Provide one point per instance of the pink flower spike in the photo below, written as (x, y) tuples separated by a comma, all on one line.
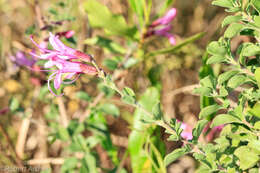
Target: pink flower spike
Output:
[(165, 20)]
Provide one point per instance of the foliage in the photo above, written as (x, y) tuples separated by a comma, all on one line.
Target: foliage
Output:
[(229, 100)]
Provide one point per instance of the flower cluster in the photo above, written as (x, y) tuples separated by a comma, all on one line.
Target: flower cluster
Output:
[(66, 61), (162, 26)]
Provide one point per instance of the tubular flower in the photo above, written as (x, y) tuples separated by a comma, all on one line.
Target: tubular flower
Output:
[(162, 26), (60, 50), (62, 58), (165, 20)]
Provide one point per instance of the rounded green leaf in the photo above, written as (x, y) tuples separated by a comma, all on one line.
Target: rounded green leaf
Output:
[(233, 30), (224, 119), (248, 158)]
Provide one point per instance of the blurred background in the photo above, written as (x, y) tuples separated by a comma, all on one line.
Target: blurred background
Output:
[(30, 115)]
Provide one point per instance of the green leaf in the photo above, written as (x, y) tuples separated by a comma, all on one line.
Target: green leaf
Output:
[(174, 155), (128, 95), (223, 3), (111, 64), (205, 91), (110, 109), (100, 16), (14, 104), (138, 7), (175, 48), (209, 110), (216, 59), (140, 131), (226, 76), (157, 112), (233, 30), (255, 145), (250, 50), (257, 125), (215, 48), (89, 163), (208, 81), (236, 81), (30, 30), (108, 44), (256, 4), (83, 96), (248, 160), (257, 20), (231, 19), (63, 133), (257, 76), (69, 164), (130, 62), (198, 129), (255, 110), (224, 119)]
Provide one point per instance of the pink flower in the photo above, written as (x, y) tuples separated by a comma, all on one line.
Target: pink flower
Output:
[(187, 131), (60, 50), (162, 26), (62, 58), (214, 132), (165, 32), (165, 20)]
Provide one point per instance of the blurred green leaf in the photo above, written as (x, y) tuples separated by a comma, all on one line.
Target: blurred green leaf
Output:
[(175, 154), (175, 48), (138, 8), (30, 30), (256, 4), (69, 164), (110, 109), (14, 104), (83, 96), (140, 130), (89, 163), (63, 133), (101, 17), (128, 95), (107, 44), (130, 62)]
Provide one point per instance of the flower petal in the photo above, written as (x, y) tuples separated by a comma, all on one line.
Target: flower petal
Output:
[(57, 81)]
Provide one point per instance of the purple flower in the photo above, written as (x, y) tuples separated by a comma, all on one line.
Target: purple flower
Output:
[(165, 32), (162, 26), (62, 58), (21, 59), (165, 20), (60, 50)]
